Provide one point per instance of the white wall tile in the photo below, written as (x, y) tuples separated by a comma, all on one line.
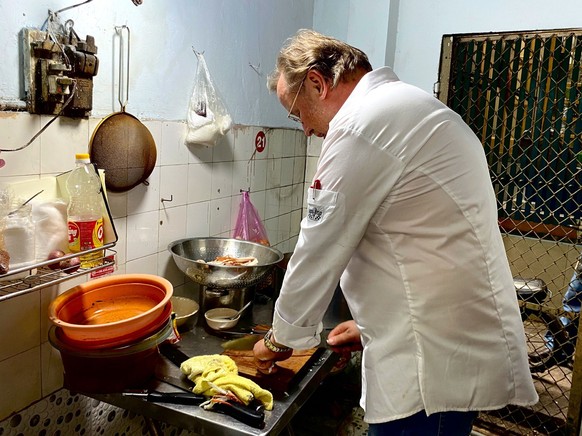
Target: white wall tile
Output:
[(301, 143), (259, 200), (274, 148), (143, 265), (121, 246), (16, 130), (285, 199), (198, 221), (117, 203), (288, 143), (272, 227), (297, 196), (223, 151), (273, 173), (284, 227), (220, 216), (52, 371), (240, 177), (173, 185), (298, 169), (60, 142), (287, 168), (172, 225), (173, 149), (310, 167), (221, 184), (199, 182), (142, 235), (155, 128), (20, 324), (20, 378), (198, 153), (258, 171), (145, 198), (272, 203), (314, 146)]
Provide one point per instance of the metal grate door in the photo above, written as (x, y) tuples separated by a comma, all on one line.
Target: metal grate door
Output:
[(521, 93)]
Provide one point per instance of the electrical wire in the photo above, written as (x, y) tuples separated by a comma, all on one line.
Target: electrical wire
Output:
[(74, 87)]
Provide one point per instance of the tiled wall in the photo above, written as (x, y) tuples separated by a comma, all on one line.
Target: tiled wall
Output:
[(204, 187)]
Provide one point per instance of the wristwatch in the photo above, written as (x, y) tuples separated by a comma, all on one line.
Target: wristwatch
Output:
[(271, 346)]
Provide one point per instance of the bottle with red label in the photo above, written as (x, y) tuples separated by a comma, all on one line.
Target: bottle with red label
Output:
[(85, 211)]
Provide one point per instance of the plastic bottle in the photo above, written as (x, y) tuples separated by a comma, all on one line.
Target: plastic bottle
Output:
[(85, 211)]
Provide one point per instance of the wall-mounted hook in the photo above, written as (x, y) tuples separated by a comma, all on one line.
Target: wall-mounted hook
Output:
[(245, 190), (168, 199)]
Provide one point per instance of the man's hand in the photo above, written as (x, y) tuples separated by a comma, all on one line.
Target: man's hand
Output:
[(265, 359), (345, 337)]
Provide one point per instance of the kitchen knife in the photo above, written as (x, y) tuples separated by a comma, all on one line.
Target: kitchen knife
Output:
[(169, 397), (246, 342), (247, 415), (173, 353)]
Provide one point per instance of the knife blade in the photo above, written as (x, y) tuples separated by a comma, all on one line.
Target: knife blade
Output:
[(240, 412), (173, 353), (244, 343), (169, 397)]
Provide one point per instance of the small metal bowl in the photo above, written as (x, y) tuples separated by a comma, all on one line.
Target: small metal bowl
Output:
[(214, 321)]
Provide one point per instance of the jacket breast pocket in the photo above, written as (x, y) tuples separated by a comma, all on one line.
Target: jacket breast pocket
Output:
[(320, 204)]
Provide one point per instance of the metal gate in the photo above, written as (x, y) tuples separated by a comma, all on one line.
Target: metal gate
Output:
[(521, 93)]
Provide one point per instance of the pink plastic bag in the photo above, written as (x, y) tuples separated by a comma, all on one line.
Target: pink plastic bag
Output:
[(249, 226)]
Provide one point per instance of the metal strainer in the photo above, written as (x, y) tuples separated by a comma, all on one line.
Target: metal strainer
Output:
[(186, 252)]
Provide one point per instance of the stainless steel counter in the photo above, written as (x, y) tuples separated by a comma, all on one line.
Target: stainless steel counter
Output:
[(198, 341)]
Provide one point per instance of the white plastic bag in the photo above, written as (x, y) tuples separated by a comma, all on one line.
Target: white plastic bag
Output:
[(208, 118)]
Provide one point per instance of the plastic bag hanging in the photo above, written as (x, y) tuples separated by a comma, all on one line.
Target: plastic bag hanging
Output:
[(249, 226), (208, 118)]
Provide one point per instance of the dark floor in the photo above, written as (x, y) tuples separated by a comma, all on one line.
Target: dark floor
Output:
[(333, 409)]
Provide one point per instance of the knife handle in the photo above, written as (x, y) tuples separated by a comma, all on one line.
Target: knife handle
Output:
[(176, 398), (244, 414)]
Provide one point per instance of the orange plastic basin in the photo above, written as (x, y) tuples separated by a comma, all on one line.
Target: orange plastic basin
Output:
[(112, 311)]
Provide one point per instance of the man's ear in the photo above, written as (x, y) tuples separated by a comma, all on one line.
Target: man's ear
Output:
[(318, 82)]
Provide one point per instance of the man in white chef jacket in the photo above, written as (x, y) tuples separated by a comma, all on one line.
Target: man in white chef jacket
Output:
[(402, 211)]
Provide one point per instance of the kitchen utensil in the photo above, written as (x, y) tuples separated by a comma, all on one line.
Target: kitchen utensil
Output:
[(11, 213), (173, 353), (246, 342), (221, 318), (288, 372), (121, 144), (245, 414), (235, 315), (188, 252), (185, 310), (186, 398), (109, 309)]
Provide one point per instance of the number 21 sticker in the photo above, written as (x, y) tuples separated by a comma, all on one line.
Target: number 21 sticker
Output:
[(260, 141)]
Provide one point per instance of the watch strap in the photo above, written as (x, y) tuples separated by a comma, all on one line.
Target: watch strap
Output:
[(274, 348)]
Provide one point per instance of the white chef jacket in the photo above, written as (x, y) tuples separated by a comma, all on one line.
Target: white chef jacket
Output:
[(407, 217)]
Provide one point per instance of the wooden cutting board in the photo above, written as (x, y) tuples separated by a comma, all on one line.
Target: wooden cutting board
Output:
[(283, 379)]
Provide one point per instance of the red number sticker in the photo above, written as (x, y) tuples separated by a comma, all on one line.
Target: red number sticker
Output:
[(260, 141)]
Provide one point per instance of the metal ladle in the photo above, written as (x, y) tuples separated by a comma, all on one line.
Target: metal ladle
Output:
[(236, 315)]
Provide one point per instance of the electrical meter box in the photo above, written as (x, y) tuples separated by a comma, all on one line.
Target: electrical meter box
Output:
[(58, 72)]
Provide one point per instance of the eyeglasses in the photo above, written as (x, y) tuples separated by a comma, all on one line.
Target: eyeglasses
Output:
[(290, 115)]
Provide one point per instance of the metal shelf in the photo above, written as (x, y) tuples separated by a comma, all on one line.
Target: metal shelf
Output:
[(40, 276)]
